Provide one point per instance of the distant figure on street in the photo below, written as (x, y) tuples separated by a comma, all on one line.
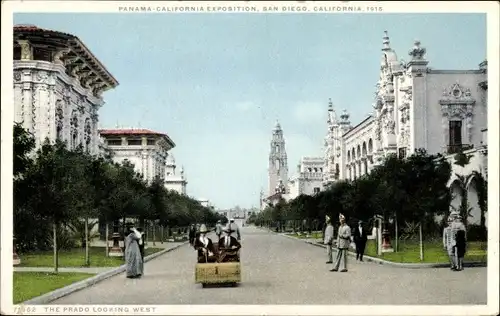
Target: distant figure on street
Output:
[(133, 259), (328, 240), (234, 227), (460, 241), (218, 229), (204, 246), (360, 239), (343, 242), (448, 243), (192, 234)]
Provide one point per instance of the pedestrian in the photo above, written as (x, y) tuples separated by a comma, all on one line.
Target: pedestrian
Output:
[(234, 227), (460, 242), (133, 259), (343, 243), (328, 239), (141, 242), (192, 234), (360, 239), (218, 229), (448, 243)]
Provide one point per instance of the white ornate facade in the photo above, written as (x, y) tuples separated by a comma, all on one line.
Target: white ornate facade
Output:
[(173, 180), (442, 111), (58, 85), (145, 149), (309, 177)]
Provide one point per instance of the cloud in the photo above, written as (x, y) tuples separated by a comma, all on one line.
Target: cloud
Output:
[(309, 112)]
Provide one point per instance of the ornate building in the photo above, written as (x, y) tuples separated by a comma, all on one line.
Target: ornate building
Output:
[(146, 150), (58, 86), (415, 106), (174, 181), (278, 161)]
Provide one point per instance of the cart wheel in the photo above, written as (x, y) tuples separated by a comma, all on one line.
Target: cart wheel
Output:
[(234, 284), (203, 285)]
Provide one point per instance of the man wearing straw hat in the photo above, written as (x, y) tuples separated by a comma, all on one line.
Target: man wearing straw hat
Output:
[(459, 235), (328, 241), (228, 246), (343, 243)]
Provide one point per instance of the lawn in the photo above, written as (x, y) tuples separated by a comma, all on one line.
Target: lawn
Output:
[(314, 235), (75, 258), (27, 285), (409, 252)]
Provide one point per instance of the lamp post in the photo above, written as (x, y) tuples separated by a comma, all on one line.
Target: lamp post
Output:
[(116, 250)]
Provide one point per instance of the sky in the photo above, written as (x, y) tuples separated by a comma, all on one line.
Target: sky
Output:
[(217, 83)]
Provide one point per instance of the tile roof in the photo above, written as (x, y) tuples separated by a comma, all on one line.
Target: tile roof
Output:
[(129, 131)]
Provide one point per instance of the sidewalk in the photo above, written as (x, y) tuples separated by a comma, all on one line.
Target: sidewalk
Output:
[(91, 270)]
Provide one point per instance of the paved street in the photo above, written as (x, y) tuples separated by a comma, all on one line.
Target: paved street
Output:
[(278, 270)]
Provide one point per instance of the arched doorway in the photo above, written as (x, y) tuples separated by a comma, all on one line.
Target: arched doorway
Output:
[(472, 198)]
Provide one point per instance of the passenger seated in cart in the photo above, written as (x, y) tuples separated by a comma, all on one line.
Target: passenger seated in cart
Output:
[(229, 247), (205, 247)]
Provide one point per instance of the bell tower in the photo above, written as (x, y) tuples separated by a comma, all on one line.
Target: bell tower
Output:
[(278, 164)]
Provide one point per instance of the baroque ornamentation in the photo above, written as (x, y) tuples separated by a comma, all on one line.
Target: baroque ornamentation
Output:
[(417, 52), (457, 94), (59, 119), (59, 55), (17, 76), (26, 51), (42, 76), (88, 134)]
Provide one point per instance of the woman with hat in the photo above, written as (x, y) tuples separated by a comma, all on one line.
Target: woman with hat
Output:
[(204, 246), (449, 243), (133, 258), (228, 246)]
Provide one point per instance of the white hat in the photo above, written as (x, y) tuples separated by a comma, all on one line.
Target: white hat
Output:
[(231, 220), (327, 218), (203, 228)]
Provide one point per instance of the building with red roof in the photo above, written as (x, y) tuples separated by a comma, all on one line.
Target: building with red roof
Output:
[(147, 150)]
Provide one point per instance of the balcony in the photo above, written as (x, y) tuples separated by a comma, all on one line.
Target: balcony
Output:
[(455, 149)]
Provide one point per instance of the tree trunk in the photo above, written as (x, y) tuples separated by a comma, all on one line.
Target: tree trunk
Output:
[(107, 239), (421, 242), (56, 258), (154, 233), (162, 232), (396, 233), (87, 258)]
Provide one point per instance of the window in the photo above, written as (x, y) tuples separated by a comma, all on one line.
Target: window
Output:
[(134, 142), (455, 133), (151, 142), (277, 164), (114, 142), (455, 137), (316, 190), (402, 153)]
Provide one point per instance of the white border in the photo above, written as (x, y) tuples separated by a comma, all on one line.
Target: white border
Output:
[(491, 8)]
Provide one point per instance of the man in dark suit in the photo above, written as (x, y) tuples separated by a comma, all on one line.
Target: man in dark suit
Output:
[(360, 239), (228, 246)]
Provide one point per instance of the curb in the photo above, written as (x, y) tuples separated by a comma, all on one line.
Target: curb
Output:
[(470, 264), (64, 291)]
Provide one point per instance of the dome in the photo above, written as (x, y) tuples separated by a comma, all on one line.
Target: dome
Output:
[(170, 160)]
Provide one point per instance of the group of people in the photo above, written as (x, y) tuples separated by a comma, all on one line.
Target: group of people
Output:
[(343, 243), (227, 245), (134, 252), (454, 241)]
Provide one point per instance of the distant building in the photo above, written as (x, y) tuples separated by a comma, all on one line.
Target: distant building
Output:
[(174, 180), (145, 149), (204, 202), (58, 86)]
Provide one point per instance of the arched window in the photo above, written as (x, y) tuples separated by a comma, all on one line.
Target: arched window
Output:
[(88, 134), (59, 120), (74, 130)]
